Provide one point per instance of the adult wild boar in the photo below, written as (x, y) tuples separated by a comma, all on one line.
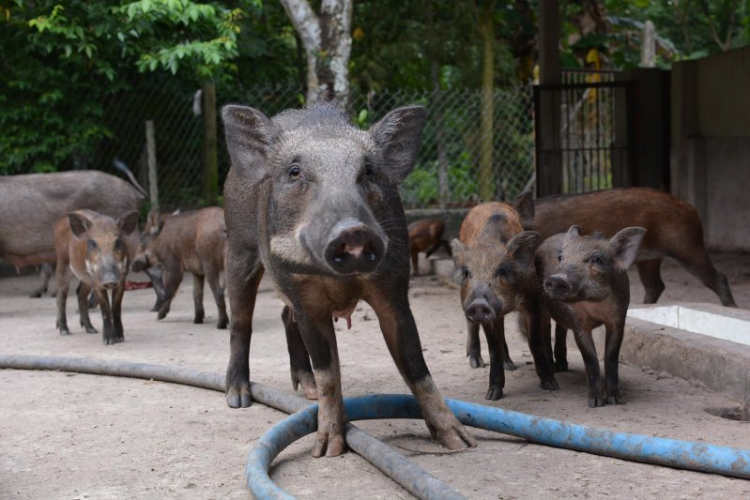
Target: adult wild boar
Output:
[(673, 230), (586, 285), (33, 204), (313, 201), (426, 235), (191, 241), (494, 261), (95, 248)]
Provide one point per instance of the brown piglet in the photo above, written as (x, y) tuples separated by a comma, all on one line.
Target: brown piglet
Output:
[(191, 241), (426, 235), (494, 261), (586, 285), (96, 249)]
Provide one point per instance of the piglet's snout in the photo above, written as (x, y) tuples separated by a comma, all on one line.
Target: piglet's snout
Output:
[(479, 311), (558, 286), (354, 248), (110, 280)]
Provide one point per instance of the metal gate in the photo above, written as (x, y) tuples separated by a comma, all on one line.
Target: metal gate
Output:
[(592, 149)]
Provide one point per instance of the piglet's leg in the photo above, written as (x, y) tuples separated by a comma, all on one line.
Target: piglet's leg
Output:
[(591, 361), (473, 346), (117, 295), (108, 335), (611, 360), (320, 339), (299, 359), (84, 289), (62, 278), (402, 338)]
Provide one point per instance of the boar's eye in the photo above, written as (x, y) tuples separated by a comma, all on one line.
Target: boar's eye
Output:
[(502, 273), (91, 245), (118, 244), (596, 259), (465, 274), (559, 257), (294, 172), (369, 171)]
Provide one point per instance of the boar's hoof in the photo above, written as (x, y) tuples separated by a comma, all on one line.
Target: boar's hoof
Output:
[(596, 402), (307, 380), (494, 393), (561, 366), (509, 365), (238, 396), (198, 320), (454, 436), (64, 331), (476, 361), (90, 329), (613, 400), (550, 385), (113, 340), (330, 445), (222, 324), (37, 293), (156, 306), (162, 313)]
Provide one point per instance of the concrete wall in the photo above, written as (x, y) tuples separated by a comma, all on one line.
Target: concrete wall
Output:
[(710, 154)]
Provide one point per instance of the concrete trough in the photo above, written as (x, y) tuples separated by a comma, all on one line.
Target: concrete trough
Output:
[(702, 342)]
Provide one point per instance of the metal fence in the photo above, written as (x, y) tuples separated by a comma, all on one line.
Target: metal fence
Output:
[(446, 174)]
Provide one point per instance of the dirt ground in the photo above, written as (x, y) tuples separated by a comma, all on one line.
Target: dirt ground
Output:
[(71, 436)]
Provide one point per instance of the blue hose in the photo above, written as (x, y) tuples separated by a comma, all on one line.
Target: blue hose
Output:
[(651, 450)]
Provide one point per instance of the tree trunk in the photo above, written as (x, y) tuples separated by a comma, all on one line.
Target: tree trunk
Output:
[(487, 32), (437, 109), (327, 41)]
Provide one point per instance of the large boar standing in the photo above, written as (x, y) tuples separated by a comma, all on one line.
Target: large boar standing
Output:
[(494, 261), (586, 285), (313, 201), (94, 248), (191, 241)]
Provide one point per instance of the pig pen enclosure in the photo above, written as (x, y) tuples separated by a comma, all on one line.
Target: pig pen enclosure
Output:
[(68, 435)]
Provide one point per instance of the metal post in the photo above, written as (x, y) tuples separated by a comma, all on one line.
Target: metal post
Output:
[(153, 185), (210, 149)]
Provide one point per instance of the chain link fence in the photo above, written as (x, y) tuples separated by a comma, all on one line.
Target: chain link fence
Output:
[(446, 174)]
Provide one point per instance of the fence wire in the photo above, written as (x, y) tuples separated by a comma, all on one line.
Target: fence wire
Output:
[(446, 175)]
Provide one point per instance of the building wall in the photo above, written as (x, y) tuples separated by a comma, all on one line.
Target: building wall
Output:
[(710, 154)]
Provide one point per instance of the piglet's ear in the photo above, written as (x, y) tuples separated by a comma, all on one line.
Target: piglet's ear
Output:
[(128, 222), (524, 205), (249, 135), (573, 233), (399, 136), (625, 245), (457, 248), (523, 246), (79, 223), (154, 222)]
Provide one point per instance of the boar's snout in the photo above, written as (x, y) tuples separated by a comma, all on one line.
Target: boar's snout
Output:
[(110, 280), (558, 287), (479, 311), (354, 248)]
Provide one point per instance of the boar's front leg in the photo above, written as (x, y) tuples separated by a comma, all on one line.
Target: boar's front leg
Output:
[(402, 338), (62, 277), (585, 343), (495, 333), (320, 340), (200, 313), (611, 360), (108, 334), (533, 319), (172, 278), (212, 276), (84, 289), (243, 278), (561, 348), (117, 294), (299, 359), (473, 347)]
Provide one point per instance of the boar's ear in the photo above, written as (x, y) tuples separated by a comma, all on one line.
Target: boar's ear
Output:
[(249, 134), (625, 245), (79, 223), (128, 222), (399, 136), (524, 205), (154, 222), (523, 246), (457, 250), (573, 232)]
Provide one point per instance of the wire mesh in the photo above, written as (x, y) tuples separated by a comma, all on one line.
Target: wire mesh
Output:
[(446, 174)]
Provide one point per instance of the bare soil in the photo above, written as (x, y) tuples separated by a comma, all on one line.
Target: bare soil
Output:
[(73, 436)]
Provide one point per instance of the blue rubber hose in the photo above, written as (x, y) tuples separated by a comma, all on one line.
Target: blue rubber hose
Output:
[(405, 473), (651, 450)]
